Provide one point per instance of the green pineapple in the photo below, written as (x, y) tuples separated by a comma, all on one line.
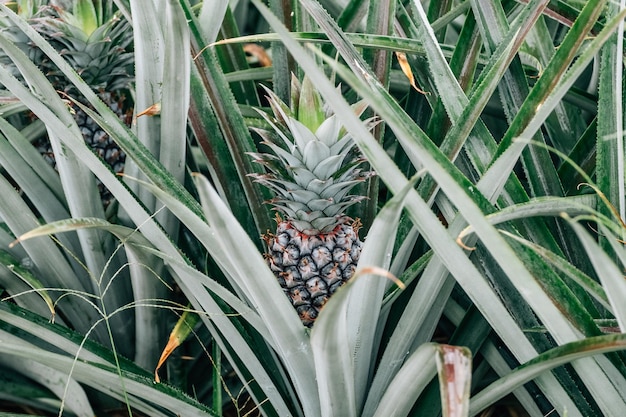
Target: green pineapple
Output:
[(96, 42), (311, 170)]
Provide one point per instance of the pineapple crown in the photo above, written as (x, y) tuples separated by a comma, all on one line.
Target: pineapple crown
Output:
[(94, 41), (313, 164), (30, 10), (25, 8)]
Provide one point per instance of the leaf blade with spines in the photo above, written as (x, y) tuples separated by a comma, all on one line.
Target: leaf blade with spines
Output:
[(443, 177)]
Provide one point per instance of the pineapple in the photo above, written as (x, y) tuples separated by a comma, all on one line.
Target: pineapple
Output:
[(311, 170), (96, 42)]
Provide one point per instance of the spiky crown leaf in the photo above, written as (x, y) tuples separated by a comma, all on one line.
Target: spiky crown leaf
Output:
[(313, 164)]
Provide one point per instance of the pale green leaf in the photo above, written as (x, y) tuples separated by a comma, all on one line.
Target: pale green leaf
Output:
[(611, 276), (73, 396), (344, 335), (543, 363), (417, 371)]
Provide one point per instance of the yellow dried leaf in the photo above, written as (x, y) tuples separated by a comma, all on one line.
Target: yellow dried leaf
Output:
[(258, 53), (406, 69), (153, 110), (179, 334)]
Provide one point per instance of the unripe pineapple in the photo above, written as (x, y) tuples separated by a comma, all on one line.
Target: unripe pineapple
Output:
[(312, 168), (96, 42)]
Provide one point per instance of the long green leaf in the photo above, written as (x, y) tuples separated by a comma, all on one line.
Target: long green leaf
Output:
[(590, 285), (234, 132), (417, 371), (174, 100), (542, 206), (142, 392), (133, 239), (344, 337), (66, 389), (148, 44), (79, 185), (260, 285), (610, 146), (610, 274), (457, 193), (292, 337), (544, 362)]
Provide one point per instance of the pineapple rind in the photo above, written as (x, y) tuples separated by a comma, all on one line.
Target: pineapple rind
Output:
[(310, 268)]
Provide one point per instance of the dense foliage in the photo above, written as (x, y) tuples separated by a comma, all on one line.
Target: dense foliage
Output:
[(134, 276)]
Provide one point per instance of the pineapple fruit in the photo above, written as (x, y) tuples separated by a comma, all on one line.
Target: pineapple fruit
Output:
[(96, 42), (311, 170)]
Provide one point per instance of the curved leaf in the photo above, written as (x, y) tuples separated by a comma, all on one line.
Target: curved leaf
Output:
[(543, 363)]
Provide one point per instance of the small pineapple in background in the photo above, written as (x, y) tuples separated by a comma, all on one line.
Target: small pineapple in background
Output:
[(97, 43), (29, 10), (312, 168)]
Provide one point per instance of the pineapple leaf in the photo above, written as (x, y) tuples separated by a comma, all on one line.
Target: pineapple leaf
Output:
[(64, 387), (303, 177), (137, 391), (309, 109), (289, 337), (39, 182), (328, 132), (555, 70), (329, 166), (314, 152), (609, 134), (214, 95), (590, 285), (288, 157), (544, 362), (175, 96), (212, 15), (550, 101), (610, 274), (346, 337), (28, 278), (509, 276), (302, 136), (259, 284), (84, 16), (405, 388), (457, 192), (542, 206), (132, 238)]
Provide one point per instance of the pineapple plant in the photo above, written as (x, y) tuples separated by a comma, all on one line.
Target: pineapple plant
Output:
[(311, 170), (96, 41), (519, 299)]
